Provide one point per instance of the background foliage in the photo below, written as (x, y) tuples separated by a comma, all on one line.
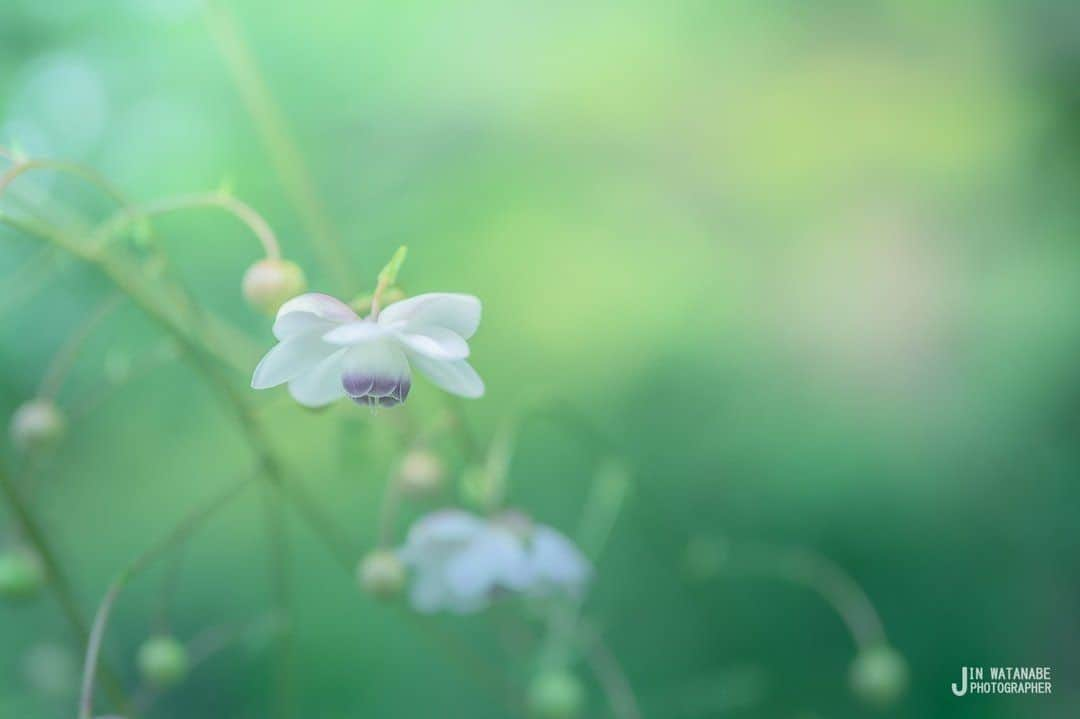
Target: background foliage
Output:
[(813, 267)]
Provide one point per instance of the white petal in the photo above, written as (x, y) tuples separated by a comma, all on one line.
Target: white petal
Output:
[(556, 560), (289, 359), (355, 333), (456, 377), (433, 535), (428, 593), (322, 385), (435, 342), (455, 312), (310, 312)]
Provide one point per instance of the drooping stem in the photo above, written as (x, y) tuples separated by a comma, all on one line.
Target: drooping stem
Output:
[(197, 355), (180, 533), (609, 673), (240, 210), (287, 158), (820, 575), (69, 168), (58, 582), (62, 362)]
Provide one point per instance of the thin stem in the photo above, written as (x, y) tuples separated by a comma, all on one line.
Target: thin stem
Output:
[(388, 511), (240, 210), (180, 533), (335, 540), (609, 673), (466, 658), (62, 362), (69, 168), (607, 496), (58, 581), (287, 158), (146, 366), (822, 576)]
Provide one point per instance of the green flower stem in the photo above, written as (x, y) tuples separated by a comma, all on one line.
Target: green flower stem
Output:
[(334, 539), (821, 576), (62, 362), (68, 168), (609, 673), (255, 222), (180, 533), (58, 582), (287, 158)]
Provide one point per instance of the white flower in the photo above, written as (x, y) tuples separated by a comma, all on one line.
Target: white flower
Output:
[(556, 564), (326, 351), (461, 562)]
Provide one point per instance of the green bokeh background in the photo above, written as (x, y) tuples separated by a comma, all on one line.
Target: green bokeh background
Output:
[(813, 268)]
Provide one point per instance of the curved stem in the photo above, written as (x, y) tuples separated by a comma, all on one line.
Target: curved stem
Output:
[(609, 673), (69, 168), (204, 363), (184, 529), (62, 361), (58, 581), (240, 210), (287, 158), (822, 576)]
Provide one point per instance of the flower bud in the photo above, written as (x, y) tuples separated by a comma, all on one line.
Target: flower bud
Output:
[(381, 574), (163, 661), (556, 695), (269, 283), (37, 423), (879, 675), (21, 575), (421, 473)]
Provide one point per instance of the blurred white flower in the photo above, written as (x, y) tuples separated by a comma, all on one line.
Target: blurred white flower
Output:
[(326, 351), (460, 562)]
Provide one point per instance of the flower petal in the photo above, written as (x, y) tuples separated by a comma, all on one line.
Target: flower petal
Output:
[(355, 333), (455, 312), (322, 385), (435, 342), (556, 561), (376, 369), (289, 359), (456, 377), (310, 312)]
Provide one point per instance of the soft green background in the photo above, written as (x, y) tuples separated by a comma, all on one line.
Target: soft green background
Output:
[(814, 267)]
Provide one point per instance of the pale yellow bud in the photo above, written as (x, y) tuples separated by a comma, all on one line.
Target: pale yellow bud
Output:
[(269, 283), (421, 473)]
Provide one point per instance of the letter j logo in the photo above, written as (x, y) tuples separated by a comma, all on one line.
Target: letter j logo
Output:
[(962, 689)]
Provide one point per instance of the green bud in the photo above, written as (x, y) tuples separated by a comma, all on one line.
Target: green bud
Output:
[(21, 575), (879, 675), (163, 661), (381, 574), (388, 275), (269, 283), (37, 423), (421, 473), (556, 695)]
